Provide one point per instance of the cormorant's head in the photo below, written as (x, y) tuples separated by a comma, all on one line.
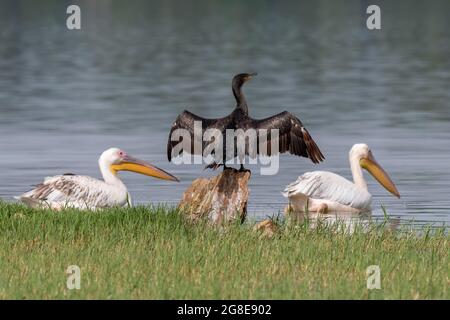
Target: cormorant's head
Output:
[(241, 78)]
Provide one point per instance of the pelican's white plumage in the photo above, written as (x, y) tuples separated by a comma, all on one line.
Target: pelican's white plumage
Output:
[(327, 191), (76, 191), (329, 186), (84, 192)]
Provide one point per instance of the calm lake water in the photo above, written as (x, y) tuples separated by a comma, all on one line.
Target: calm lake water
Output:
[(65, 96)]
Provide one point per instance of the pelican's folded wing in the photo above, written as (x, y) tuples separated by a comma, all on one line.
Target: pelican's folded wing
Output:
[(67, 191), (329, 186)]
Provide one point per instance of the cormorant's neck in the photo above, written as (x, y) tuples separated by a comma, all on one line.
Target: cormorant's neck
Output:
[(241, 103)]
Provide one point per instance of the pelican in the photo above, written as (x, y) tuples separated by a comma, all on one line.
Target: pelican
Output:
[(322, 191), (293, 136), (84, 192)]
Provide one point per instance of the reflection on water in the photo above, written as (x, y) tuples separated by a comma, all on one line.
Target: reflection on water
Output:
[(343, 222), (65, 96)]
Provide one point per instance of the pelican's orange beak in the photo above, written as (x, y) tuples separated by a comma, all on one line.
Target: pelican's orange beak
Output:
[(136, 165), (371, 165)]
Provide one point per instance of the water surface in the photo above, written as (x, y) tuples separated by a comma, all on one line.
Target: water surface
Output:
[(65, 96)]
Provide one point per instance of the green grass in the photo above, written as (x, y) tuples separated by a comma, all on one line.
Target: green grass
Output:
[(152, 253)]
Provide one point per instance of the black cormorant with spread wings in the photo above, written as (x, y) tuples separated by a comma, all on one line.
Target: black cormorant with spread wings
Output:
[(292, 135)]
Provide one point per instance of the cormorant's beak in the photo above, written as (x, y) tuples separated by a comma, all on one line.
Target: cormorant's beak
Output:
[(371, 165), (250, 76), (135, 165)]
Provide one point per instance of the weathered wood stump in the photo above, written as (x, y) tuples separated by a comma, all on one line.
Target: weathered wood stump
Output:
[(220, 199)]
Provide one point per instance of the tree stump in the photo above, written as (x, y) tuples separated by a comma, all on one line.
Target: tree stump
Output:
[(220, 199)]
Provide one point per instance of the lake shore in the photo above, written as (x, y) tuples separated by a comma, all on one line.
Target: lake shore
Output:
[(153, 253)]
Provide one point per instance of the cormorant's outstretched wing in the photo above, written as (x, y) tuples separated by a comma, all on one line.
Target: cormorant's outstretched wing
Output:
[(186, 121), (293, 136)]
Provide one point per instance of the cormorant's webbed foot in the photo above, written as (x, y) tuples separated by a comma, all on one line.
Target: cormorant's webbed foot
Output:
[(242, 169), (214, 166)]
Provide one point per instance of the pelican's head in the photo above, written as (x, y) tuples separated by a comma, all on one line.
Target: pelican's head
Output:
[(118, 160), (242, 78), (362, 152)]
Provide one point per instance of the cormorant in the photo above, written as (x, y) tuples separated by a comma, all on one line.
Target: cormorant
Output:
[(293, 136)]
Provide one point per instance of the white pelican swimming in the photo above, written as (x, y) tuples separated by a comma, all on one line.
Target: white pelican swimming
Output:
[(322, 191), (84, 192)]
